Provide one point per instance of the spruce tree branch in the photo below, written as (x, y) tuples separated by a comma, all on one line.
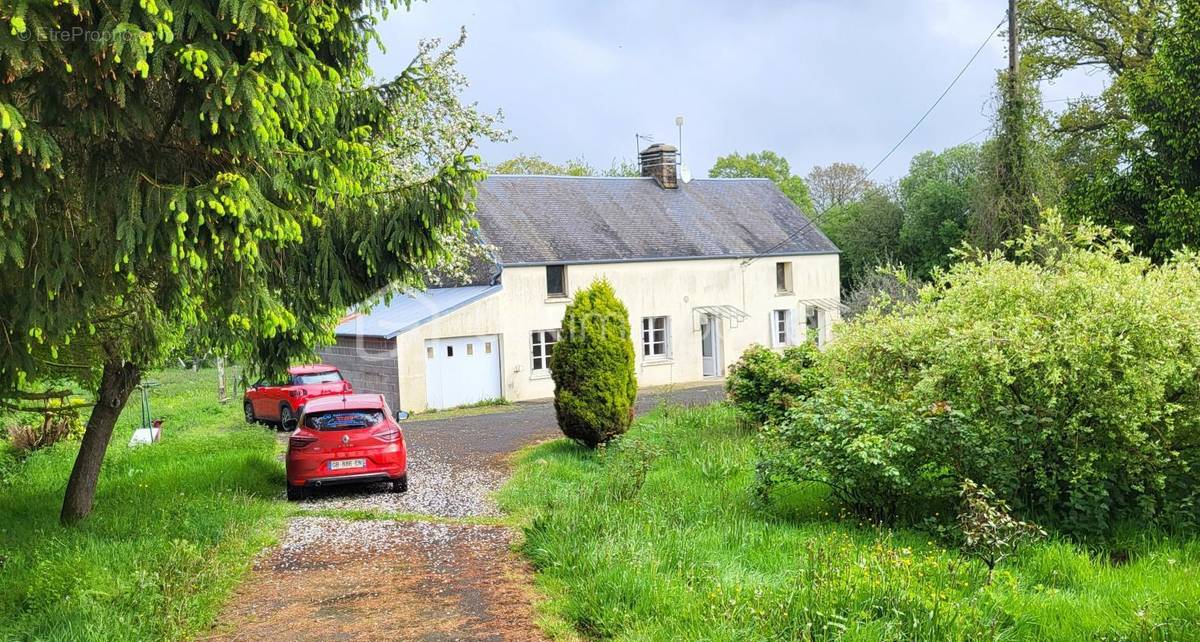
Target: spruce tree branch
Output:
[(69, 366), (35, 396), (44, 409), (172, 114)]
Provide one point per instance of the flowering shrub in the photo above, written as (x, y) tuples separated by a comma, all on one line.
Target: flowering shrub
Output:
[(1066, 380)]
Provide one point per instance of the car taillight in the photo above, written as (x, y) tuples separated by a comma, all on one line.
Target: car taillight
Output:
[(297, 392), (300, 441), (388, 435)]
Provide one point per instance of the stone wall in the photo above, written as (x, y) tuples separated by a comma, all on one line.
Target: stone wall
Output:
[(369, 364)]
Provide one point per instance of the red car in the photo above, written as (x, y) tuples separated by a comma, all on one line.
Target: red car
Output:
[(280, 401), (343, 440)]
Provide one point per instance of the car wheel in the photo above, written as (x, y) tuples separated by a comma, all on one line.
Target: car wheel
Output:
[(400, 484), (249, 408), (297, 493), (285, 415)]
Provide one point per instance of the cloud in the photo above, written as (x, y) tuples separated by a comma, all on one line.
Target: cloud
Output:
[(577, 53), (818, 81), (964, 22)]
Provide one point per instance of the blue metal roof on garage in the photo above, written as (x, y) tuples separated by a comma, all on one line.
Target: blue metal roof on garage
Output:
[(409, 310)]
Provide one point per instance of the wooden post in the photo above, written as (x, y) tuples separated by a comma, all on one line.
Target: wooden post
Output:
[(222, 395)]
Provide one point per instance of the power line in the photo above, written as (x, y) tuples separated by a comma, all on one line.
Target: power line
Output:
[(939, 99), (975, 135), (817, 218)]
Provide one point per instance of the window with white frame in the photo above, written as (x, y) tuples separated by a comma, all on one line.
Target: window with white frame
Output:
[(542, 346), (782, 328), (556, 281), (656, 337)]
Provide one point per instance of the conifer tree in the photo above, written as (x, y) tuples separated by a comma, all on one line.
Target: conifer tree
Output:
[(220, 170), (593, 367)]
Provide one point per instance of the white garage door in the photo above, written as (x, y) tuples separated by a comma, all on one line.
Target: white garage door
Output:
[(462, 370)]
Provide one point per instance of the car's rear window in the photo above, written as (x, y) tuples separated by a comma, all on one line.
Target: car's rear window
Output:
[(343, 419), (332, 376)]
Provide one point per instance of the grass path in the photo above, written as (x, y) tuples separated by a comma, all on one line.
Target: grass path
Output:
[(381, 579)]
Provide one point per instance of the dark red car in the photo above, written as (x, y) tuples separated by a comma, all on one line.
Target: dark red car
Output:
[(280, 401), (344, 440)]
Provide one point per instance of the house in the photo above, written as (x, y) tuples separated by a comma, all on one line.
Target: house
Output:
[(706, 268)]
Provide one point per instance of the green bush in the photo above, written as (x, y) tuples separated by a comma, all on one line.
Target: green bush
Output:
[(763, 384), (592, 366), (1067, 381)]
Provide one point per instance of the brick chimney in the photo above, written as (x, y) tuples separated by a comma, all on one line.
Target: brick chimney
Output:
[(658, 161)]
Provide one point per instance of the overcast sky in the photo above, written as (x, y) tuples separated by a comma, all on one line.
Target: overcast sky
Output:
[(817, 81)]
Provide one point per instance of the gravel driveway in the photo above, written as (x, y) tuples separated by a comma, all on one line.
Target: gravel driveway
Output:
[(410, 579), (455, 464)]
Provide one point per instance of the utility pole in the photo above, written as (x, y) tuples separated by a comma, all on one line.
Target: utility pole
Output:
[(1014, 54)]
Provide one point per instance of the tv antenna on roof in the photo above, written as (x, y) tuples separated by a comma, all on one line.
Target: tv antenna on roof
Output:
[(649, 138)]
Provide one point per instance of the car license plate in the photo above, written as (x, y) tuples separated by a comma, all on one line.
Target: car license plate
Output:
[(343, 464)]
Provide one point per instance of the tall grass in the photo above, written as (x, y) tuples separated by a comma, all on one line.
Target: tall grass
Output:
[(661, 538), (174, 527)]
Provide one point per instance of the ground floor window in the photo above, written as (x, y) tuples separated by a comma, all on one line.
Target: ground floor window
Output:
[(781, 328), (542, 347), (656, 333), (814, 323)]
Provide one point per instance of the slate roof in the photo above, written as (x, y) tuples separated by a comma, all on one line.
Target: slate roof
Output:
[(407, 311), (537, 220)]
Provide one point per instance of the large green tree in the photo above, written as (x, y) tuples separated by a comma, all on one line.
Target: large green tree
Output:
[(936, 197), (765, 164), (867, 231), (225, 170), (1158, 195), (1115, 37), (1097, 136)]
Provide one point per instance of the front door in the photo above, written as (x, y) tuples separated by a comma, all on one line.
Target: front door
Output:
[(710, 345)]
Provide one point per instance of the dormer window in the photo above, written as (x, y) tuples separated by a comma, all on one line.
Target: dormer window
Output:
[(556, 281)]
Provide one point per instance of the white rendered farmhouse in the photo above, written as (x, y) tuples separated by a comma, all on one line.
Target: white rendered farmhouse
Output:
[(706, 268)]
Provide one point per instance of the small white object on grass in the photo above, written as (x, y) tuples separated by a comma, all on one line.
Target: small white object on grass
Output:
[(143, 436)]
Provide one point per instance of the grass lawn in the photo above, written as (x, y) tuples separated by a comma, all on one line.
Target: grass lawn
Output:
[(174, 527), (660, 538)]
